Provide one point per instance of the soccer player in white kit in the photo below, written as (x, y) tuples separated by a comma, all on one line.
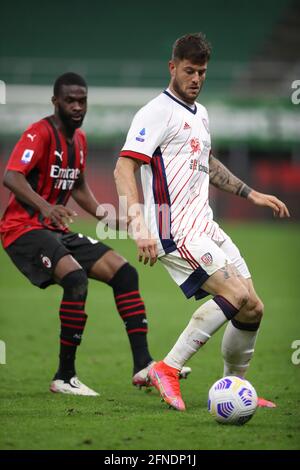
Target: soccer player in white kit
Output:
[(169, 139)]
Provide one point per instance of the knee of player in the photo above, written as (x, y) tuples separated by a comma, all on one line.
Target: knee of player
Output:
[(76, 282), (241, 295), (258, 310), (131, 272), (253, 310), (236, 293), (126, 278)]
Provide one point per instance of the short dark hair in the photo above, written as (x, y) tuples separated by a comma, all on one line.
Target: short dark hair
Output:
[(68, 78), (193, 47)]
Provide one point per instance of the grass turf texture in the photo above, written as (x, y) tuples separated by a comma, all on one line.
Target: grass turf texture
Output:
[(124, 417)]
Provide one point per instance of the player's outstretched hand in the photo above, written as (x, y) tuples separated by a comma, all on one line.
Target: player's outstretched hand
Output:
[(147, 251), (145, 241), (267, 200), (147, 248), (59, 215)]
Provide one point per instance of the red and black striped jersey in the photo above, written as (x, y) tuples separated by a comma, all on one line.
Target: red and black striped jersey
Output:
[(51, 166)]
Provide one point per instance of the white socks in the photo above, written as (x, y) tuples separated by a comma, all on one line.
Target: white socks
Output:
[(203, 324), (237, 349), (237, 344)]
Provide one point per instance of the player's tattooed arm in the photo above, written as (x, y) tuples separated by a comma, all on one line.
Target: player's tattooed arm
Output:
[(222, 178)]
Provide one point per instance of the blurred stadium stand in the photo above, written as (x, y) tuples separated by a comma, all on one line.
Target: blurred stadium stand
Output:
[(122, 48), (127, 43)]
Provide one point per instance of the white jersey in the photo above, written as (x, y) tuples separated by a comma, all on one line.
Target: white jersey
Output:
[(173, 140)]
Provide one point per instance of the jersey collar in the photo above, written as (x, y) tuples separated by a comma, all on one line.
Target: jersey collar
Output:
[(193, 111)]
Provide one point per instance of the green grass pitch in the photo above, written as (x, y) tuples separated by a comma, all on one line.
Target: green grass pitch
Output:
[(124, 417)]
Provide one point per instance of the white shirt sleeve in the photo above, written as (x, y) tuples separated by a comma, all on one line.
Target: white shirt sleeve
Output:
[(147, 132)]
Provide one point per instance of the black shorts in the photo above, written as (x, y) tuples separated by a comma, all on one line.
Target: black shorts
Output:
[(36, 253)]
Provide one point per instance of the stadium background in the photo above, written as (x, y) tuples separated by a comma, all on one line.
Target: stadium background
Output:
[(122, 49)]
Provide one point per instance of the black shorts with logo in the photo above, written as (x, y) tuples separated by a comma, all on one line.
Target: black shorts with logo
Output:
[(36, 253)]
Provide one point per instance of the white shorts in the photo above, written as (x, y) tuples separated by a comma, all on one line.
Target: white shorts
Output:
[(194, 262)]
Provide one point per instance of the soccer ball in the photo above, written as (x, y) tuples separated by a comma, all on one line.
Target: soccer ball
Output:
[(232, 400)]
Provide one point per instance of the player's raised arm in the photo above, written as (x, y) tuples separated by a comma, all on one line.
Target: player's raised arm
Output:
[(221, 177), (127, 187)]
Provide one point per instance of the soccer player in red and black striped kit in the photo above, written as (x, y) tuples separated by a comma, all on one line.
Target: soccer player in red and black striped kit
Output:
[(46, 168)]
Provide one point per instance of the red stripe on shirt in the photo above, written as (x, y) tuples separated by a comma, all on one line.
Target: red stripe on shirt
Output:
[(191, 256), (186, 258)]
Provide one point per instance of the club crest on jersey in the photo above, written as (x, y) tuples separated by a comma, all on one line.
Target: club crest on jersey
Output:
[(46, 261), (141, 135), (205, 124), (195, 145), (207, 259), (27, 156)]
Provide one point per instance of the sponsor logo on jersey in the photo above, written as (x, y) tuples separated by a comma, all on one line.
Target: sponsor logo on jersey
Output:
[(195, 165), (195, 146), (205, 124), (140, 137), (65, 177), (46, 261), (31, 137), (186, 126), (27, 156), (207, 259)]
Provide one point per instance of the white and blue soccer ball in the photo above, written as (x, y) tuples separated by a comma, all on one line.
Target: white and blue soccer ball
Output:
[(232, 400)]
